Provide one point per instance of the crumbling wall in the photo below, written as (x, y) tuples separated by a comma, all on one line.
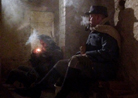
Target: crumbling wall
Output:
[(17, 26), (126, 19), (16, 30), (75, 32)]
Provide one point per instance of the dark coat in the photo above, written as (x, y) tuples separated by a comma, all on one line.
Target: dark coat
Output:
[(101, 47), (103, 50), (44, 61), (41, 64)]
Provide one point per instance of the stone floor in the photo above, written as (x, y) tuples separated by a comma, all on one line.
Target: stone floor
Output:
[(7, 92), (4, 93), (119, 92)]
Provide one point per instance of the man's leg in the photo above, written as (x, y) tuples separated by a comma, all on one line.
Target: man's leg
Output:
[(20, 75), (25, 68), (75, 80), (17, 75), (70, 82), (50, 78), (35, 92), (54, 74)]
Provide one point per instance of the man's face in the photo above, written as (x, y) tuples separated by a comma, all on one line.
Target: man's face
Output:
[(44, 45), (93, 19)]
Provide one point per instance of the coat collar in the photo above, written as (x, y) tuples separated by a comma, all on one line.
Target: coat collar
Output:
[(110, 30)]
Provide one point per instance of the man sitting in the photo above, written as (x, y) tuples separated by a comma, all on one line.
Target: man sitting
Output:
[(96, 60), (41, 62)]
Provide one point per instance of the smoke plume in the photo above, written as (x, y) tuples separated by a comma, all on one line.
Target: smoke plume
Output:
[(33, 37), (75, 3), (33, 40), (12, 11), (85, 21)]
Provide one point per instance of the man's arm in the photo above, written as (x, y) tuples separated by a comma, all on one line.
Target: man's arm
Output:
[(108, 52), (82, 51)]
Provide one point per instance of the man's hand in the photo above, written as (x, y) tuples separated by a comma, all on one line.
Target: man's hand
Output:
[(84, 55), (83, 49)]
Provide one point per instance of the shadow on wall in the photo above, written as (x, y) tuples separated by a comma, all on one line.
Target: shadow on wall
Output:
[(126, 20), (129, 47)]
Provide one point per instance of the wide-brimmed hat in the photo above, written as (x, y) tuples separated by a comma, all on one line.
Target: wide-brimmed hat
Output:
[(97, 10)]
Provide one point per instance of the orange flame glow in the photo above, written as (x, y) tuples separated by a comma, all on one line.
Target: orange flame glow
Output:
[(38, 50)]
